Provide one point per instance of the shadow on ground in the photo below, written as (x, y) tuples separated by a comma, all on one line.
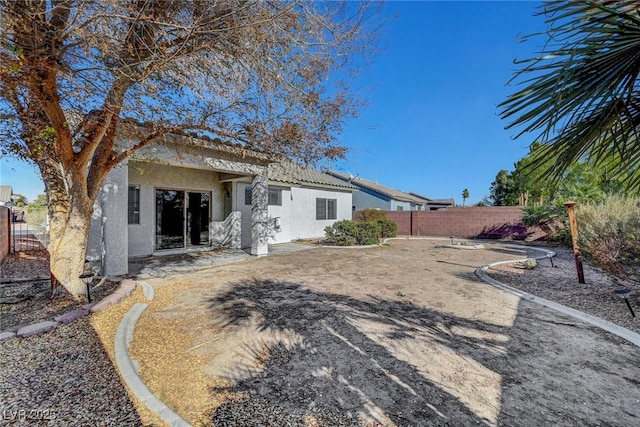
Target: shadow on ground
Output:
[(376, 362), (355, 361)]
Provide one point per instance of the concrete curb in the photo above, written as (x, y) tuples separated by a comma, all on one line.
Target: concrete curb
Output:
[(625, 333), (129, 368)]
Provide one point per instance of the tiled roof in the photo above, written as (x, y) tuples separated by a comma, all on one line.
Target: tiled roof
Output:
[(434, 201), (291, 173), (5, 193), (378, 188)]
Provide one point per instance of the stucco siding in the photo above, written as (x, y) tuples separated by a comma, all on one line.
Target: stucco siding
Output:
[(304, 224), (365, 200), (406, 206), (149, 177), (280, 218)]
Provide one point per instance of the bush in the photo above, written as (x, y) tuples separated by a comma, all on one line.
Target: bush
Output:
[(368, 233), (552, 219), (609, 232), (371, 215), (388, 228), (349, 233), (341, 233)]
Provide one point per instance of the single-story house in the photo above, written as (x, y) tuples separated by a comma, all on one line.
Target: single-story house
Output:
[(208, 195), (371, 195)]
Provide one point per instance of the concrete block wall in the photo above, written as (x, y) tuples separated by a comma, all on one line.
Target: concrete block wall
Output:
[(5, 231), (454, 221)]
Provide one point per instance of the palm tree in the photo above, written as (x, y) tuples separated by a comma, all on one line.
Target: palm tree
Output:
[(580, 95), (465, 195)]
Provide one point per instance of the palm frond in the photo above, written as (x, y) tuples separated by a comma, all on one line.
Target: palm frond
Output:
[(580, 95)]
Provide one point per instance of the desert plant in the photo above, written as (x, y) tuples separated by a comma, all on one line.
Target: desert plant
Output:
[(609, 232), (349, 233), (369, 215), (388, 228), (368, 233), (341, 233)]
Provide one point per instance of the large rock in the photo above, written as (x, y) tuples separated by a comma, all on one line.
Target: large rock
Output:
[(36, 328)]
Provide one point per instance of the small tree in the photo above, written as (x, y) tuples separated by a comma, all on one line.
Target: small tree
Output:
[(269, 75), (19, 200), (465, 195)]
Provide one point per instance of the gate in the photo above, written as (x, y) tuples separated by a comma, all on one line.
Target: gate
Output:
[(27, 237)]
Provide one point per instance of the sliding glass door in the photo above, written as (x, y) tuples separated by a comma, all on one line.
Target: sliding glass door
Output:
[(182, 219)]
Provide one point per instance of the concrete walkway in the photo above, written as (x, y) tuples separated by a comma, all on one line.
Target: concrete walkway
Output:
[(171, 264)]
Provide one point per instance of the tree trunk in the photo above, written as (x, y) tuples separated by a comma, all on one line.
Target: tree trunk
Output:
[(68, 248)]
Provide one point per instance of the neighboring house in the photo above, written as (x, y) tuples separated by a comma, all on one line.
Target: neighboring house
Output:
[(6, 191), (371, 195), (434, 204), (206, 195)]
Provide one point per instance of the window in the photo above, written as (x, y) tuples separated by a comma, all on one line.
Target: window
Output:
[(134, 204), (275, 197), (326, 208), (400, 208)]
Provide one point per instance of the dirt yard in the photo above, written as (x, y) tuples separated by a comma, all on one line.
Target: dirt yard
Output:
[(399, 335)]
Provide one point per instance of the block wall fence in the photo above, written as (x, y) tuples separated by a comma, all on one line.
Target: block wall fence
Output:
[(5, 231), (455, 221)]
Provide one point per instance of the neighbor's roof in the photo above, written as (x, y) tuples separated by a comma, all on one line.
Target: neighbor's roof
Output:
[(434, 201), (5, 193), (378, 188), (291, 173)]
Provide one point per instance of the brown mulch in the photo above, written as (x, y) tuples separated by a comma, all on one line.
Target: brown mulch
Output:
[(25, 296)]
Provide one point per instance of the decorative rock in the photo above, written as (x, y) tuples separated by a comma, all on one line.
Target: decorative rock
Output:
[(128, 283), (36, 328), (5, 335), (71, 316), (127, 289), (107, 302), (90, 305)]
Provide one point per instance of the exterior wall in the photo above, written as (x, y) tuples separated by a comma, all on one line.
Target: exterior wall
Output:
[(282, 213), (150, 176), (5, 231), (406, 206), (245, 212), (296, 216), (108, 235), (280, 219), (455, 221), (303, 211), (362, 199)]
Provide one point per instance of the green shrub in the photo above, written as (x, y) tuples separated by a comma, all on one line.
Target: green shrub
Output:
[(368, 233), (388, 228), (370, 215), (341, 233), (349, 233), (609, 232), (552, 219)]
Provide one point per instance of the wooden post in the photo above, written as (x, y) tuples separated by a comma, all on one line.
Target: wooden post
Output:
[(573, 225)]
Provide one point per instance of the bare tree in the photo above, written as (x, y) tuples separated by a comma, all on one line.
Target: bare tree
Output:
[(272, 76)]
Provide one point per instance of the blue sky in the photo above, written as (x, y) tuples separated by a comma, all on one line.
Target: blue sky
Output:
[(431, 125)]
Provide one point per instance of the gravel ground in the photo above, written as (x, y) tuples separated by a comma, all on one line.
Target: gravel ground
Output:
[(29, 301), (559, 283), (62, 378)]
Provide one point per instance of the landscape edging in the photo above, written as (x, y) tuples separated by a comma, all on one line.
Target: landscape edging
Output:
[(610, 327), (125, 288)]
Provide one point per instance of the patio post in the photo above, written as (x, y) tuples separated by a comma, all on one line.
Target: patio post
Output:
[(260, 214)]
